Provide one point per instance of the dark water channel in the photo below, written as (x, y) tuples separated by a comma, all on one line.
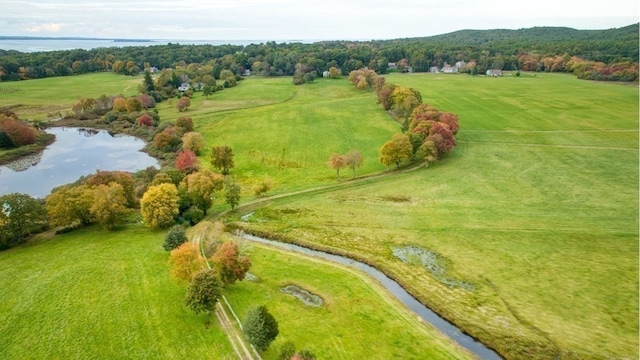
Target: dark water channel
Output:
[(76, 152), (474, 346)]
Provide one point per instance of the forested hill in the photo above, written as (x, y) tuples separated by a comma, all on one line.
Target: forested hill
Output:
[(598, 45), (589, 54)]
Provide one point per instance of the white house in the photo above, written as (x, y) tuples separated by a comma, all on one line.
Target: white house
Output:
[(184, 86), (494, 72)]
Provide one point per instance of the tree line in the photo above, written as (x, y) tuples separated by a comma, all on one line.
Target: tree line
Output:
[(604, 50)]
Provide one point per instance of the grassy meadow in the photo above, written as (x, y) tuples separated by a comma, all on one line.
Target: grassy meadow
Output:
[(43, 99), (537, 208), (356, 320), (99, 295)]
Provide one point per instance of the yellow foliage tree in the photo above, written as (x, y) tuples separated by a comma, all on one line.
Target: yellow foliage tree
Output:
[(185, 260), (159, 205), (70, 204), (109, 205)]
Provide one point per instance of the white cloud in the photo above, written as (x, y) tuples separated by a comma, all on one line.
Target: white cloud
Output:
[(48, 28), (293, 19)]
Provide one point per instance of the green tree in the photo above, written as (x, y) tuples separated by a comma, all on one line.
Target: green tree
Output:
[(260, 327), (222, 158), (396, 150), (159, 205), (175, 237), (203, 291), (232, 194), (20, 216), (148, 82), (109, 206)]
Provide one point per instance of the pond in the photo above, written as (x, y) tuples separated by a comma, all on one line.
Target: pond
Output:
[(76, 152)]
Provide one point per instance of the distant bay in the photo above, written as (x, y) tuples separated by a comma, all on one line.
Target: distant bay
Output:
[(40, 44)]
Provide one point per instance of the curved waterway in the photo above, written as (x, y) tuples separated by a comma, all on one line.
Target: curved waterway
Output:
[(466, 341), (76, 152)]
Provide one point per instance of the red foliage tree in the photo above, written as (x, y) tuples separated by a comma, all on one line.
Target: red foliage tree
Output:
[(230, 266), (145, 120), (17, 131), (186, 161), (147, 101), (183, 104), (450, 119)]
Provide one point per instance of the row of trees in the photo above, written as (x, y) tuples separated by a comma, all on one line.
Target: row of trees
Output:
[(209, 276), (426, 130), (486, 49)]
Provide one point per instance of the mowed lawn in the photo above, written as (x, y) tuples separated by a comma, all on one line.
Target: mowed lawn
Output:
[(537, 208), (357, 319), (43, 99), (92, 294)]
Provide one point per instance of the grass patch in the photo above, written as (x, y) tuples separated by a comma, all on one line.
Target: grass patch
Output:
[(42, 99), (99, 295), (357, 318), (536, 207)]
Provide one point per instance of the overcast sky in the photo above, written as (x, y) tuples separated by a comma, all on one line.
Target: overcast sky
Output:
[(300, 20)]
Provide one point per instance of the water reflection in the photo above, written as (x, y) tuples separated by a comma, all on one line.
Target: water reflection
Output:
[(75, 153)]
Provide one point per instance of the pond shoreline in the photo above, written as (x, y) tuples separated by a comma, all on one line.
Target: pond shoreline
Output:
[(18, 153)]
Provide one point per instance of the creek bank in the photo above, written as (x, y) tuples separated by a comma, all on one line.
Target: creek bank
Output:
[(426, 314)]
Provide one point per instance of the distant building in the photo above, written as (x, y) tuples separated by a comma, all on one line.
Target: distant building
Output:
[(433, 69), (494, 72), (392, 66), (325, 74), (184, 86), (449, 69), (153, 70), (460, 65)]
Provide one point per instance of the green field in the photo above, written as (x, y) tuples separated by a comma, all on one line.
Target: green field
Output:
[(537, 208), (357, 320), (48, 98), (536, 211), (99, 295)]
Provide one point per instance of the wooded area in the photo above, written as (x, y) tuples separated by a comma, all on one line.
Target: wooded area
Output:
[(591, 54)]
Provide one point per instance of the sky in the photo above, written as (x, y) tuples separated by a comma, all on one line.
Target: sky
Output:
[(299, 19)]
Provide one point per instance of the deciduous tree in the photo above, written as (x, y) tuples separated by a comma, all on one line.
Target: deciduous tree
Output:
[(353, 159), (70, 204), (200, 188), (232, 194), (185, 261), (109, 206), (185, 123), (337, 162), (228, 263), (159, 205), (203, 291), (183, 104), (20, 216), (396, 150), (222, 158), (186, 161), (193, 141)]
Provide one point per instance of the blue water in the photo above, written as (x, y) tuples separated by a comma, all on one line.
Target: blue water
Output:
[(38, 45), (75, 153)]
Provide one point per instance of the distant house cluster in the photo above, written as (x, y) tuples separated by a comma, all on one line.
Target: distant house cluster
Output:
[(448, 69)]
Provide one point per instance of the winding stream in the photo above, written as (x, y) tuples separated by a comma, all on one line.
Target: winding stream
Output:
[(466, 341)]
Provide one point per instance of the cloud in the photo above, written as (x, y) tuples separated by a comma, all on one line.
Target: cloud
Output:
[(51, 27)]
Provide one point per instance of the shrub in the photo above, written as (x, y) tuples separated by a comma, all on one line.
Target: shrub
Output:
[(174, 238)]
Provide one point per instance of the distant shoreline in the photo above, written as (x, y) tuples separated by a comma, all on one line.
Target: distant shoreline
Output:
[(72, 38)]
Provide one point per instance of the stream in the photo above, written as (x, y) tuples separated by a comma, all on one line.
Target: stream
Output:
[(466, 341)]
